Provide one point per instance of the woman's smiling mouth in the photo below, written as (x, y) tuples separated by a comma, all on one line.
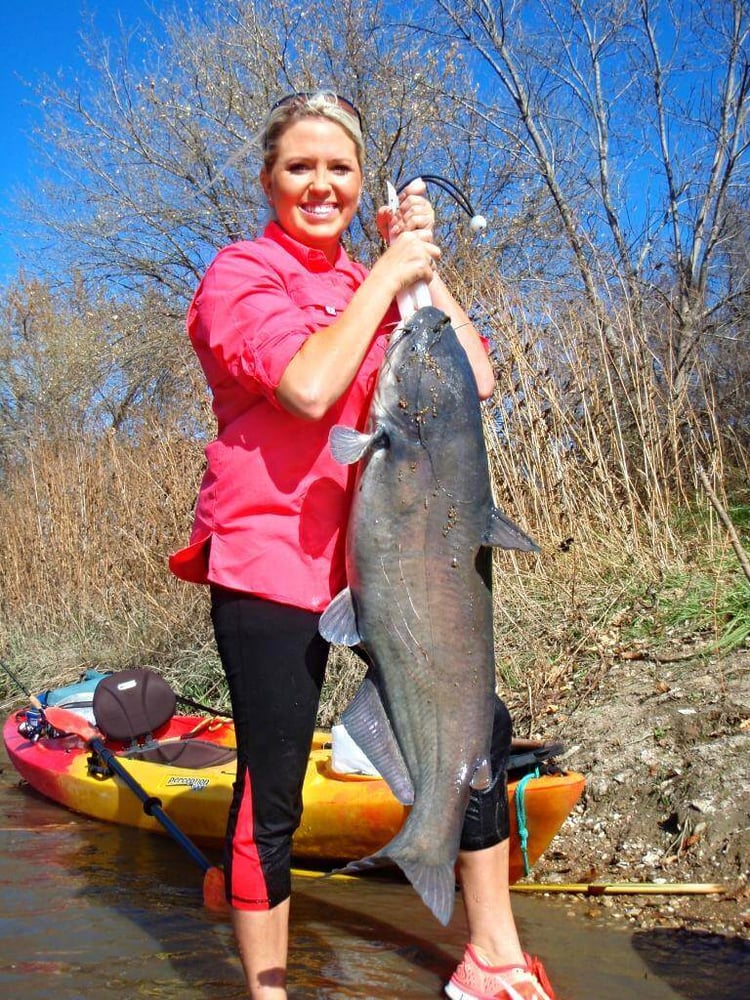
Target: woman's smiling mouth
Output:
[(320, 209)]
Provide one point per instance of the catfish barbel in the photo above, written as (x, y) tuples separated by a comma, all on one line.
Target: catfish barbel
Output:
[(419, 597)]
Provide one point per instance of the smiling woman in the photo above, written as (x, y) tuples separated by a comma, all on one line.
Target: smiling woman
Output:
[(291, 333), (315, 183)]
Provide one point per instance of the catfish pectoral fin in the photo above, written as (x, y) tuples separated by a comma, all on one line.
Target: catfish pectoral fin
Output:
[(338, 623), (348, 445), (482, 779), (506, 534)]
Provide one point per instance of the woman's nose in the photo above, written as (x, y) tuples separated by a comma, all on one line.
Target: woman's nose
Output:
[(320, 180)]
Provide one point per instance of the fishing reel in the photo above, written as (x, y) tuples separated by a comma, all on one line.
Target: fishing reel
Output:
[(32, 725)]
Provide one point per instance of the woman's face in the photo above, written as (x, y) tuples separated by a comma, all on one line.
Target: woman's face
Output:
[(315, 183)]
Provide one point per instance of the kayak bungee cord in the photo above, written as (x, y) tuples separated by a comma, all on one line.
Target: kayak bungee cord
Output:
[(181, 698)]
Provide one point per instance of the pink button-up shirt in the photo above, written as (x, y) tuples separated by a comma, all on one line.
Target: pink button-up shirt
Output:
[(272, 509)]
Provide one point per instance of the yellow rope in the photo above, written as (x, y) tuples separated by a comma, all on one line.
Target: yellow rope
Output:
[(585, 888), (623, 888)]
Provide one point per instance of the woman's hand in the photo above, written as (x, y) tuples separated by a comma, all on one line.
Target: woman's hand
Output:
[(410, 235), (415, 214), (415, 221), (410, 258), (327, 362)]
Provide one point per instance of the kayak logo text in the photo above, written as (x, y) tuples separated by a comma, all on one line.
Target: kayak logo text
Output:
[(196, 784)]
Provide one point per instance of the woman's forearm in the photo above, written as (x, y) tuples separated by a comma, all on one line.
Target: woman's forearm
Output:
[(467, 335)]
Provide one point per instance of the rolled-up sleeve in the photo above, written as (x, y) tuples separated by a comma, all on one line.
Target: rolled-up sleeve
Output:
[(243, 323)]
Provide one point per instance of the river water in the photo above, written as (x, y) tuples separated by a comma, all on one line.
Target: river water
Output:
[(92, 911)]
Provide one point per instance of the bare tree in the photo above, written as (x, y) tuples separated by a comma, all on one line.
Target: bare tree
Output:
[(153, 166), (634, 118), (606, 143), (76, 363), (157, 163)]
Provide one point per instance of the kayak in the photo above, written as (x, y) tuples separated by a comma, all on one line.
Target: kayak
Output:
[(345, 816), (144, 757)]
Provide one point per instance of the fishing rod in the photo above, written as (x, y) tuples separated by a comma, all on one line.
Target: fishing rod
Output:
[(16, 680)]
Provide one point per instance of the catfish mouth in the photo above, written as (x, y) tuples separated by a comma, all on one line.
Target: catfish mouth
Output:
[(408, 359), (426, 341)]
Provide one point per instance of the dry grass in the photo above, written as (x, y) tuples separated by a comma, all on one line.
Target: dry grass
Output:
[(596, 456), (86, 530)]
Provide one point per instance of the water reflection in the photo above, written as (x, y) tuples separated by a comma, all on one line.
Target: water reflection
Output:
[(698, 966), (93, 911)]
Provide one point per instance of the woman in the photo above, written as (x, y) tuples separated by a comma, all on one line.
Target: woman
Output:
[(290, 333)]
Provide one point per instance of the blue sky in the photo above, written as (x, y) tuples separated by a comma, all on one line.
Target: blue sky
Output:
[(42, 38)]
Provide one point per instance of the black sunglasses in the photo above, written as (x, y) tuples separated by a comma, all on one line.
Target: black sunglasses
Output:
[(301, 97)]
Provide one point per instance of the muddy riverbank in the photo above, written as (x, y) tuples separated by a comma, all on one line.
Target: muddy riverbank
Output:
[(665, 747)]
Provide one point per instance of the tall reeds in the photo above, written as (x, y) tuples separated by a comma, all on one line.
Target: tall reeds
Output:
[(591, 449)]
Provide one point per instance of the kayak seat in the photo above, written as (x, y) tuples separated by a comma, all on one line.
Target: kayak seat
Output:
[(189, 753), (131, 705)]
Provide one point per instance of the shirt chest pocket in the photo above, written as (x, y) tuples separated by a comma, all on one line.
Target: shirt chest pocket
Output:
[(321, 303)]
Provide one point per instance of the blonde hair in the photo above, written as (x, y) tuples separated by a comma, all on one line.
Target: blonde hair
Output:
[(321, 104)]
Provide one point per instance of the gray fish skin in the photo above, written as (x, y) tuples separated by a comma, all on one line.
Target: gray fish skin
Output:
[(417, 600)]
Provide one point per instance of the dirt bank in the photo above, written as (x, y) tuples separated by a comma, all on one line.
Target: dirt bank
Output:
[(666, 751)]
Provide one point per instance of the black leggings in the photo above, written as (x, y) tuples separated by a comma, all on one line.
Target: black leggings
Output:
[(275, 660)]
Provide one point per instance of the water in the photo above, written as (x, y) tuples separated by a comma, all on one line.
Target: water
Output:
[(93, 911)]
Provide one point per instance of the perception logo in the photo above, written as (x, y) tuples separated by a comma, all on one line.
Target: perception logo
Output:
[(196, 784)]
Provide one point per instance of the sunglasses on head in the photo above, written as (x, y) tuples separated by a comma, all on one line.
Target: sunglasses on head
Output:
[(301, 97)]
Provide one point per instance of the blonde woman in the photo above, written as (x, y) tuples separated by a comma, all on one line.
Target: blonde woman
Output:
[(290, 333)]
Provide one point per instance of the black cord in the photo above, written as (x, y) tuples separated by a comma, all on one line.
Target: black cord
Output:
[(202, 708), (452, 189)]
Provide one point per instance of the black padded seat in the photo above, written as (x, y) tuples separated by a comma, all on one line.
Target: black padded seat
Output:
[(190, 753), (131, 705)]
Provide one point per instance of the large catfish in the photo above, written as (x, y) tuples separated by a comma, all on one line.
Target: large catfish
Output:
[(419, 598)]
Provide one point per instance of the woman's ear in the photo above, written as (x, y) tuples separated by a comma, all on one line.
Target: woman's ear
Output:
[(265, 183)]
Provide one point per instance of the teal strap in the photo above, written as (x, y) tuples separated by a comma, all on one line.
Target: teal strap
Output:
[(523, 830)]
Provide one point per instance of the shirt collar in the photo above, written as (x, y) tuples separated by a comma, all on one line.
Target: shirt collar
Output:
[(313, 260)]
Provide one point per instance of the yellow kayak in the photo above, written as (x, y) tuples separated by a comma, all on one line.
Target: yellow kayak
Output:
[(345, 816)]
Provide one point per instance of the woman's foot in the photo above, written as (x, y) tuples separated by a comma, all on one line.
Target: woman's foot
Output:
[(474, 979)]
